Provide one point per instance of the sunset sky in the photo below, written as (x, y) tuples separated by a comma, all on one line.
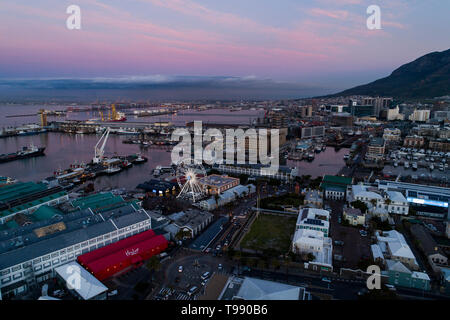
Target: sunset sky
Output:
[(323, 42)]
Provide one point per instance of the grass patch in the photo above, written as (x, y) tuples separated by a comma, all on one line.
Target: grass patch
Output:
[(276, 203), (270, 232)]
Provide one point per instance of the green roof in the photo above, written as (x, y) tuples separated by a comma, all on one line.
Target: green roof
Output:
[(99, 201), (20, 189), (31, 204), (337, 180), (45, 212)]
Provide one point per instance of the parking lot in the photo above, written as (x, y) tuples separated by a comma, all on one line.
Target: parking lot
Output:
[(184, 273), (350, 245)]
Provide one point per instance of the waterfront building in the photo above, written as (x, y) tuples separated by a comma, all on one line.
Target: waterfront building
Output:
[(376, 149), (217, 184), (26, 198), (258, 170), (29, 254), (335, 187)]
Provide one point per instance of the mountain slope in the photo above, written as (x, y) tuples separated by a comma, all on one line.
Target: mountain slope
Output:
[(425, 77)]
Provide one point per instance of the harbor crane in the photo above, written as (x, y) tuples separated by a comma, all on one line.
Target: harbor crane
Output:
[(99, 152)]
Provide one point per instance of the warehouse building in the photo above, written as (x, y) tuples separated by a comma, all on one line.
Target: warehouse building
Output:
[(130, 252), (27, 197), (29, 254)]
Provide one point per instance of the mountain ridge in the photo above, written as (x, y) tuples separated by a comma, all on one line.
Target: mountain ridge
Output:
[(426, 77)]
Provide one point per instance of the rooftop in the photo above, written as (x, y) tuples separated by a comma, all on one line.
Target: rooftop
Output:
[(257, 289), (88, 287), (218, 180)]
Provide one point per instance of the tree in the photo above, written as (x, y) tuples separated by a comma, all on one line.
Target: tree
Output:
[(153, 264), (358, 204)]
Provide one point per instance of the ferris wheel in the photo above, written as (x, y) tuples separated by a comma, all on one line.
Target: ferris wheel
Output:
[(188, 178)]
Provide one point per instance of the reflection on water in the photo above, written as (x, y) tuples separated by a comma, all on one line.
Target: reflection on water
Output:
[(329, 161), (62, 150)]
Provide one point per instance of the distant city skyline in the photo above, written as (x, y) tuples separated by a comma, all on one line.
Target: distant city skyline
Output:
[(321, 43)]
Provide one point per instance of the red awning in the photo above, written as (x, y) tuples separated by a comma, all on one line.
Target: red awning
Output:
[(136, 259)]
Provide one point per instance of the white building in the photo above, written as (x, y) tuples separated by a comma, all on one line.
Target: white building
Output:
[(314, 219), (227, 197), (394, 246), (394, 114), (82, 284), (311, 241), (379, 202), (311, 236), (420, 115)]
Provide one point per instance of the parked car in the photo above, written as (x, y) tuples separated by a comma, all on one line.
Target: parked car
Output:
[(180, 269), (205, 275), (220, 266), (192, 291)]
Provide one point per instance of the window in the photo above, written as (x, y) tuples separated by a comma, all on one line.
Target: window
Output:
[(16, 268), (17, 276), (54, 255), (5, 272), (6, 280), (36, 260), (47, 265), (84, 244), (47, 257), (37, 268), (26, 265)]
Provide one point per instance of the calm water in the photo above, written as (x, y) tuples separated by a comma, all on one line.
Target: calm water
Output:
[(65, 149), (62, 150), (329, 161)]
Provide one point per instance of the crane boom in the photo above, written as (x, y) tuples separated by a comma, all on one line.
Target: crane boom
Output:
[(98, 152)]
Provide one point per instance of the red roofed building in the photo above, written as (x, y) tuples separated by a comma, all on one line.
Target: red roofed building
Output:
[(130, 252)]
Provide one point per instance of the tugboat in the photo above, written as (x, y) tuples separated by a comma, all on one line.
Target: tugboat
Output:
[(26, 152), (140, 159)]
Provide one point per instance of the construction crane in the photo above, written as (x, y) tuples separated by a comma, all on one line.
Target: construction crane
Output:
[(99, 152)]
